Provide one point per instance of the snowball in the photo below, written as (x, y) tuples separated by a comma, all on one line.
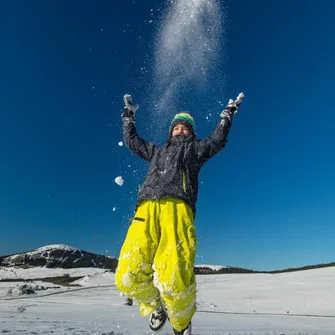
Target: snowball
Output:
[(119, 180)]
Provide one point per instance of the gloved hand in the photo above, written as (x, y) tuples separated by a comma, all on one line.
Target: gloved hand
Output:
[(129, 109), (232, 106)]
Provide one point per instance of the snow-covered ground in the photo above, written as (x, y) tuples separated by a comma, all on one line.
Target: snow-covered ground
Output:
[(236, 304)]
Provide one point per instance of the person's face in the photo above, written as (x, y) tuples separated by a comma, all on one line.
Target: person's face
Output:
[(180, 129)]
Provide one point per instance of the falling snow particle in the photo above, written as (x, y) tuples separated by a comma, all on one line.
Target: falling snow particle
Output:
[(119, 180), (114, 209), (120, 143)]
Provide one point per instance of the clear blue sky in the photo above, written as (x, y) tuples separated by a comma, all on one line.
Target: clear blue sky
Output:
[(266, 202)]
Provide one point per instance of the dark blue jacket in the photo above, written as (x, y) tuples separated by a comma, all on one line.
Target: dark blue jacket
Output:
[(175, 166)]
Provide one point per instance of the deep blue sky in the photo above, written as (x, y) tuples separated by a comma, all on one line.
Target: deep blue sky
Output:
[(266, 202)]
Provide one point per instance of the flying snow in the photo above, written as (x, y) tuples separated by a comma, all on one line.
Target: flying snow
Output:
[(188, 45)]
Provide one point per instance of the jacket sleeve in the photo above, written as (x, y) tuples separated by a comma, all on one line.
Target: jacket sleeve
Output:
[(211, 145), (135, 143)]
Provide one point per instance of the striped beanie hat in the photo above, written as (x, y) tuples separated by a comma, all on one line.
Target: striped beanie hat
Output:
[(183, 117)]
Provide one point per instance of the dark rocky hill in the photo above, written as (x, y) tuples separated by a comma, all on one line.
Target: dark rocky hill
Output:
[(59, 256)]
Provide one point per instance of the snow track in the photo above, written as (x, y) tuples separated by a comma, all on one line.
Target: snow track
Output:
[(57, 293)]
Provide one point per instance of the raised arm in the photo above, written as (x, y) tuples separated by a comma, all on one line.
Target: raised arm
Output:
[(211, 145), (131, 139)]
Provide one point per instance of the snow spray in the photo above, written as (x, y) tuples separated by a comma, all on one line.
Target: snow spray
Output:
[(187, 46)]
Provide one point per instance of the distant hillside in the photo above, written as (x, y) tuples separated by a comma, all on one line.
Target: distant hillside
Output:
[(219, 269), (302, 268), (59, 256), (66, 257), (216, 269)]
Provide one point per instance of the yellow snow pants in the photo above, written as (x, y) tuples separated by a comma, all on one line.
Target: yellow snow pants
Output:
[(156, 263)]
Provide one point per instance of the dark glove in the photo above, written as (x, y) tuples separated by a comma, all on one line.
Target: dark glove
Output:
[(129, 109), (232, 106)]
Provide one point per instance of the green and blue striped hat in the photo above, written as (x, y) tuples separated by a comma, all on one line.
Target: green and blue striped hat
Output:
[(183, 118)]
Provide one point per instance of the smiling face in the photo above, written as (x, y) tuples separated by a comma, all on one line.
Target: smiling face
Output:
[(180, 129)]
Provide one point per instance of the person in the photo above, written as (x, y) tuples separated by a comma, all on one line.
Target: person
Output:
[(156, 262)]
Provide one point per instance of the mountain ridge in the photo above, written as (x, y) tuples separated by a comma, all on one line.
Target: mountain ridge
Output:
[(64, 256)]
